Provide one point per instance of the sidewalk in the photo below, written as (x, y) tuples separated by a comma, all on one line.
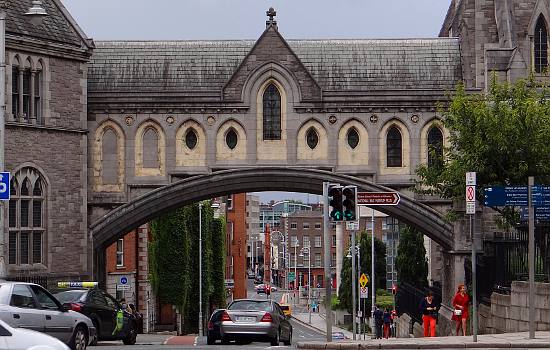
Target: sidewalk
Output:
[(489, 341), (318, 322)]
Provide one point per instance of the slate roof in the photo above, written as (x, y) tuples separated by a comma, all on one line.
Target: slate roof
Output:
[(338, 65), (56, 26)]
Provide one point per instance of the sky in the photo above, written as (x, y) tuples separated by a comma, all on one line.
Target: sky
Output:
[(245, 19)]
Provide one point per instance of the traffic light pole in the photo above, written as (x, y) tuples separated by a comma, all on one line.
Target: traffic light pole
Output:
[(327, 241), (353, 281)]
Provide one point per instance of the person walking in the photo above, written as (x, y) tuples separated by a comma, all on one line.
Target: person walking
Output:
[(460, 312), (429, 314), (387, 323), (378, 322)]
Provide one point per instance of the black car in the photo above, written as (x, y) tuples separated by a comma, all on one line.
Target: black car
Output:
[(102, 309), (214, 323)]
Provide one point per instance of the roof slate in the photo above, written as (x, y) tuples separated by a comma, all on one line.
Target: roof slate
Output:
[(337, 65), (55, 26)]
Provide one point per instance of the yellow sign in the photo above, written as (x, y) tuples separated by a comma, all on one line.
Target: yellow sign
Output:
[(363, 280), (77, 284)]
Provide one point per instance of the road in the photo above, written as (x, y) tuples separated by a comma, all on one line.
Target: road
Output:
[(301, 333)]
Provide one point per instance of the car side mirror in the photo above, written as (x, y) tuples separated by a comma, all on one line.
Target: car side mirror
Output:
[(66, 307)]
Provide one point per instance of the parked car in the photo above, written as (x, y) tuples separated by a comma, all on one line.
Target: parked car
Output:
[(250, 274), (255, 320), (102, 309), (260, 288), (286, 310), (214, 324), (30, 306), (24, 339)]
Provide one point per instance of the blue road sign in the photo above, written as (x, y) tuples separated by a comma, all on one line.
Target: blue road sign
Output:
[(541, 214), (515, 196), (5, 186), (541, 196), (123, 280)]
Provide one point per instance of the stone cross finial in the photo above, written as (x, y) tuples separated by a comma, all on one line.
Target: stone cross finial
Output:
[(271, 13)]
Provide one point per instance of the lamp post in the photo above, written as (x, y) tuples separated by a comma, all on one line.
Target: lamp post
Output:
[(200, 270), (351, 254), (306, 249), (295, 269), (36, 13)]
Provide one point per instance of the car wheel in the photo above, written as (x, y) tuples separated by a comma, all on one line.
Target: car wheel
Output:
[(289, 341), (276, 340), (79, 340), (132, 335)]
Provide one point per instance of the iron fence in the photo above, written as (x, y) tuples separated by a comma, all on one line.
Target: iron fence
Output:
[(408, 298)]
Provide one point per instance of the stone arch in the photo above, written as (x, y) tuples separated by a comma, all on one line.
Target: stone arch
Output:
[(29, 63), (271, 149), (99, 158), (223, 152), (186, 157), (303, 151), (434, 122), (359, 155), (405, 150), (140, 168)]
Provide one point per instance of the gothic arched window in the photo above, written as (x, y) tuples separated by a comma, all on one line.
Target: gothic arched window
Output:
[(394, 145), (541, 45), (435, 147), (26, 218), (151, 157), (353, 138), (272, 113)]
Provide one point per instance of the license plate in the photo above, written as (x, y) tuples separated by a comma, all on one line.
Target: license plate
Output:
[(246, 319)]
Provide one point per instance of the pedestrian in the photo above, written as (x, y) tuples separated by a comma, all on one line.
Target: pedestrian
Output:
[(429, 314), (387, 322), (378, 322), (460, 312)]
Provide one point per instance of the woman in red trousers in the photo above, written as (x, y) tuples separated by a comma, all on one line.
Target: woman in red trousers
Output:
[(460, 313), (429, 314)]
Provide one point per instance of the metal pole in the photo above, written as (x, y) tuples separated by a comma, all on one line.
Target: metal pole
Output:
[(353, 281), (474, 277), (3, 7), (531, 260), (373, 276), (309, 284), (359, 287), (200, 270), (326, 251), (295, 271)]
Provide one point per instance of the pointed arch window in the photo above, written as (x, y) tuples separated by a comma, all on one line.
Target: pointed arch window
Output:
[(312, 138), (353, 138), (26, 218), (191, 138), (231, 138), (435, 147), (541, 45), (272, 113), (394, 148)]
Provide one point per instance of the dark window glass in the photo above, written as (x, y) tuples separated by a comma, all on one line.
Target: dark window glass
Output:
[(37, 191), (353, 138), (26, 93), (394, 147), (37, 247), (45, 300), (541, 45), (312, 138), (24, 248), (21, 296), (191, 139), (98, 299), (13, 188), (13, 213), (435, 147), (24, 213), (272, 113), (13, 248), (231, 139), (37, 97), (15, 91), (25, 188), (37, 213)]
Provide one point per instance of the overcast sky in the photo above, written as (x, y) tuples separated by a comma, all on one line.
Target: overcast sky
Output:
[(245, 19)]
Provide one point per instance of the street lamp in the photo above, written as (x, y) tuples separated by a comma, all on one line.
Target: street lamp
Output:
[(295, 269), (302, 251), (36, 13), (351, 253)]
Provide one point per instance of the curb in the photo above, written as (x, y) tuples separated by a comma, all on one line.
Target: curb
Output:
[(360, 346), (309, 325)]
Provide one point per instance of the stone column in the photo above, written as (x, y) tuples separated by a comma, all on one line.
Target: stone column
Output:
[(20, 116), (32, 114), (339, 252)]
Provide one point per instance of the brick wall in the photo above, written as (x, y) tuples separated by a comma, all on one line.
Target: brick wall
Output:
[(237, 247), (129, 257)]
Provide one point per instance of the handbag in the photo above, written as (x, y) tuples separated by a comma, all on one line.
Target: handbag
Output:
[(457, 312)]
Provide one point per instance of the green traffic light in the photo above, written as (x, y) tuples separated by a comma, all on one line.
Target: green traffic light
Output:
[(336, 215), (349, 215)]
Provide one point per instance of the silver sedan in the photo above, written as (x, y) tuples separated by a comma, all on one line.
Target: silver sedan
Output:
[(255, 320)]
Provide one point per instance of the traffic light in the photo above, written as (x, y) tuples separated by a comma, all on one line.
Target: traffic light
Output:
[(350, 203), (336, 212)]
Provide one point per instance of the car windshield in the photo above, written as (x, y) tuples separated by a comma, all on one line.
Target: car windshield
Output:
[(250, 305), (70, 296)]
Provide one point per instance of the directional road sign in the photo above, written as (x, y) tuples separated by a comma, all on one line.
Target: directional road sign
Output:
[(123, 280), (541, 196), (541, 213), (515, 196), (5, 186), (378, 198), (291, 277), (363, 280)]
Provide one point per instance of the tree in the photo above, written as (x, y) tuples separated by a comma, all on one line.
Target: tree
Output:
[(344, 290), (503, 135), (411, 263)]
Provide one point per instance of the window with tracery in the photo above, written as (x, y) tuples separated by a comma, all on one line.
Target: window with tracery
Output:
[(26, 94), (272, 113), (435, 147), (394, 147), (27, 224), (541, 45)]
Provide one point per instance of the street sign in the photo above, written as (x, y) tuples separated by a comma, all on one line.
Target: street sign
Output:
[(123, 280), (5, 186), (363, 280), (123, 287), (541, 196), (471, 193), (471, 179), (291, 276), (352, 225), (541, 213), (515, 196), (378, 198), (364, 293)]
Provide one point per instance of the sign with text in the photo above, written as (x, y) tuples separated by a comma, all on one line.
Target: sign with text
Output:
[(378, 198), (471, 193), (5, 186), (364, 293), (352, 225), (514, 196), (291, 276)]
